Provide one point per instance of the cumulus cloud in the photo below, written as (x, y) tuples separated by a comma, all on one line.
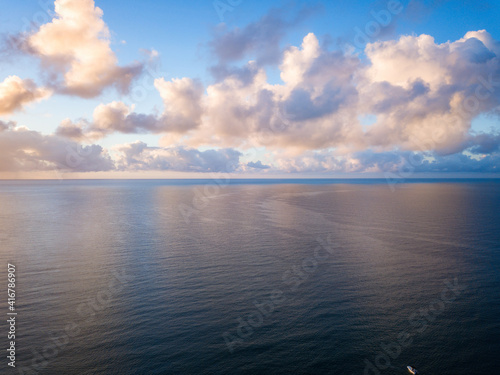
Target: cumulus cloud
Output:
[(75, 49), (68, 129), (312, 109), (28, 150), (107, 119), (422, 95), (138, 156), (182, 100), (117, 116), (423, 92), (182, 113), (15, 93)]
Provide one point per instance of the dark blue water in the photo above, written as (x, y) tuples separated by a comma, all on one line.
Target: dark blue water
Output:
[(252, 277)]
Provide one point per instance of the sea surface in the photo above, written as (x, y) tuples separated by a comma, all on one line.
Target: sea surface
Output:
[(252, 277)]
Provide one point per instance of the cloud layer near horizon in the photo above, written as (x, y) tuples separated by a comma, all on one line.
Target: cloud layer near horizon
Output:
[(28, 150), (420, 96)]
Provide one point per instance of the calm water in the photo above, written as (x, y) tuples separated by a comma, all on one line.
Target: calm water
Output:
[(153, 277)]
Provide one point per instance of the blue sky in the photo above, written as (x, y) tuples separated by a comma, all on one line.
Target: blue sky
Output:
[(198, 50)]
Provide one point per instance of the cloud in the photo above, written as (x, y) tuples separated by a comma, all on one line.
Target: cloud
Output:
[(246, 74), (16, 93), (397, 163), (110, 118), (6, 125), (75, 49), (428, 93), (27, 150), (182, 100), (182, 112), (258, 165), (414, 162), (262, 37), (68, 129), (117, 116), (314, 108), (322, 161), (422, 95), (461, 163), (138, 156), (483, 143)]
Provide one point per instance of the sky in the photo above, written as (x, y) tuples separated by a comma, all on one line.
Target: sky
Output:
[(170, 89)]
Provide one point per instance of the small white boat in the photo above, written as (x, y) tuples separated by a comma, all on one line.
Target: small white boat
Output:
[(412, 370)]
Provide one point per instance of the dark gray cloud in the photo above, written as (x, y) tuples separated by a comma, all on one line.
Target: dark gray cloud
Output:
[(412, 162), (483, 143), (245, 74), (462, 163)]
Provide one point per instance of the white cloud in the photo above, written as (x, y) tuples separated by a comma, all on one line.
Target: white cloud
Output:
[(15, 93), (75, 47), (28, 150), (423, 95), (428, 93), (182, 101), (138, 156)]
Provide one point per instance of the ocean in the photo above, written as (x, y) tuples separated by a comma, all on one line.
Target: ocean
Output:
[(251, 276)]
